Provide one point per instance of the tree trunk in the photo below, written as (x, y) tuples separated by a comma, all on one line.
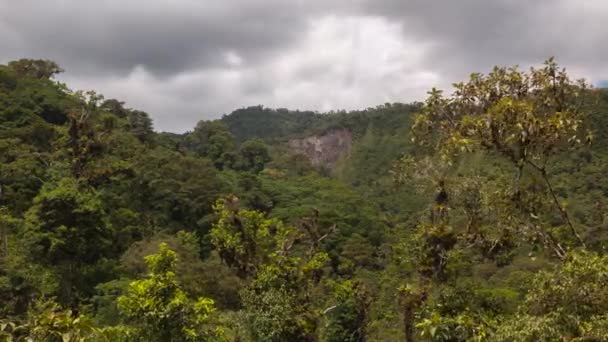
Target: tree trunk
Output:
[(408, 324)]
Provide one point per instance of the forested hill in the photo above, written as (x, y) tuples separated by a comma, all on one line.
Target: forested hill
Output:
[(268, 124), (477, 216)]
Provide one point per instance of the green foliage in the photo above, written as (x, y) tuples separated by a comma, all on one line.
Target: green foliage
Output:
[(331, 203), (245, 238), (48, 322), (568, 302), (209, 277), (526, 118), (278, 303), (213, 140), (160, 309), (462, 327), (35, 68), (506, 120), (260, 122), (274, 304), (21, 281), (348, 318), (173, 191), (495, 228), (66, 229), (253, 156)]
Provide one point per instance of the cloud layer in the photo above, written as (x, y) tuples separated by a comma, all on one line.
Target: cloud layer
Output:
[(186, 60)]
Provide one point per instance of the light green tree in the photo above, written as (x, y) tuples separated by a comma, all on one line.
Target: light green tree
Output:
[(160, 310), (245, 238), (515, 124), (279, 302), (525, 118)]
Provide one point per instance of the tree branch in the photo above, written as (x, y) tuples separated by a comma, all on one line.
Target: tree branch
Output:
[(562, 211)]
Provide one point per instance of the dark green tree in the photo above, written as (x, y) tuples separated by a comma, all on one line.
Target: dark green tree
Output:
[(67, 229), (348, 318), (212, 139), (253, 156), (35, 68)]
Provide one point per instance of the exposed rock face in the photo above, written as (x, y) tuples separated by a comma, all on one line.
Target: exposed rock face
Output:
[(324, 150)]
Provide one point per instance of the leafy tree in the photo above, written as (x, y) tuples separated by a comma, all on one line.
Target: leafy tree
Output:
[(161, 310), (48, 322), (209, 277), (330, 203), (253, 156), (22, 173), (84, 143), (213, 140), (244, 238), (173, 191), (115, 107), (278, 302), (35, 68), (568, 302), (526, 118), (349, 317), (140, 125), (511, 119), (21, 280), (67, 229)]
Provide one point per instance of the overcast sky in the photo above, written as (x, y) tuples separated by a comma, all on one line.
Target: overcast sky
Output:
[(187, 60)]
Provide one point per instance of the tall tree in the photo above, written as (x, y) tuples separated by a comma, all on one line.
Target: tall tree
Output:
[(67, 229), (253, 156), (213, 140), (527, 118)]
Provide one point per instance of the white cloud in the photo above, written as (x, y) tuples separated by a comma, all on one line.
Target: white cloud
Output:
[(351, 62), (347, 62)]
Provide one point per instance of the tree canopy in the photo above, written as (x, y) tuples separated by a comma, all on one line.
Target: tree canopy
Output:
[(478, 215)]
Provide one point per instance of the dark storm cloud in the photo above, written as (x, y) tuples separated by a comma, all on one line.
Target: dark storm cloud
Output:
[(185, 60), (165, 37)]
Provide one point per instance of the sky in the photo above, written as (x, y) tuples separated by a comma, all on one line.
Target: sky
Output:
[(188, 60)]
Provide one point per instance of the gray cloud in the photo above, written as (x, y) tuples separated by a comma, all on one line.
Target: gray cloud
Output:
[(164, 37), (187, 60), (474, 35)]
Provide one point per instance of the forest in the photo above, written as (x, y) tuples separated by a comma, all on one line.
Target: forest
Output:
[(477, 214)]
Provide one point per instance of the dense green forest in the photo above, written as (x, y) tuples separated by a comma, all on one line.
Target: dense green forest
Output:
[(480, 215)]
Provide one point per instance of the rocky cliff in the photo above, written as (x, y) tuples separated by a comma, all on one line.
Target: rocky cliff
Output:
[(324, 150)]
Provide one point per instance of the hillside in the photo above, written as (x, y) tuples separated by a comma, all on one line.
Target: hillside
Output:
[(471, 217)]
